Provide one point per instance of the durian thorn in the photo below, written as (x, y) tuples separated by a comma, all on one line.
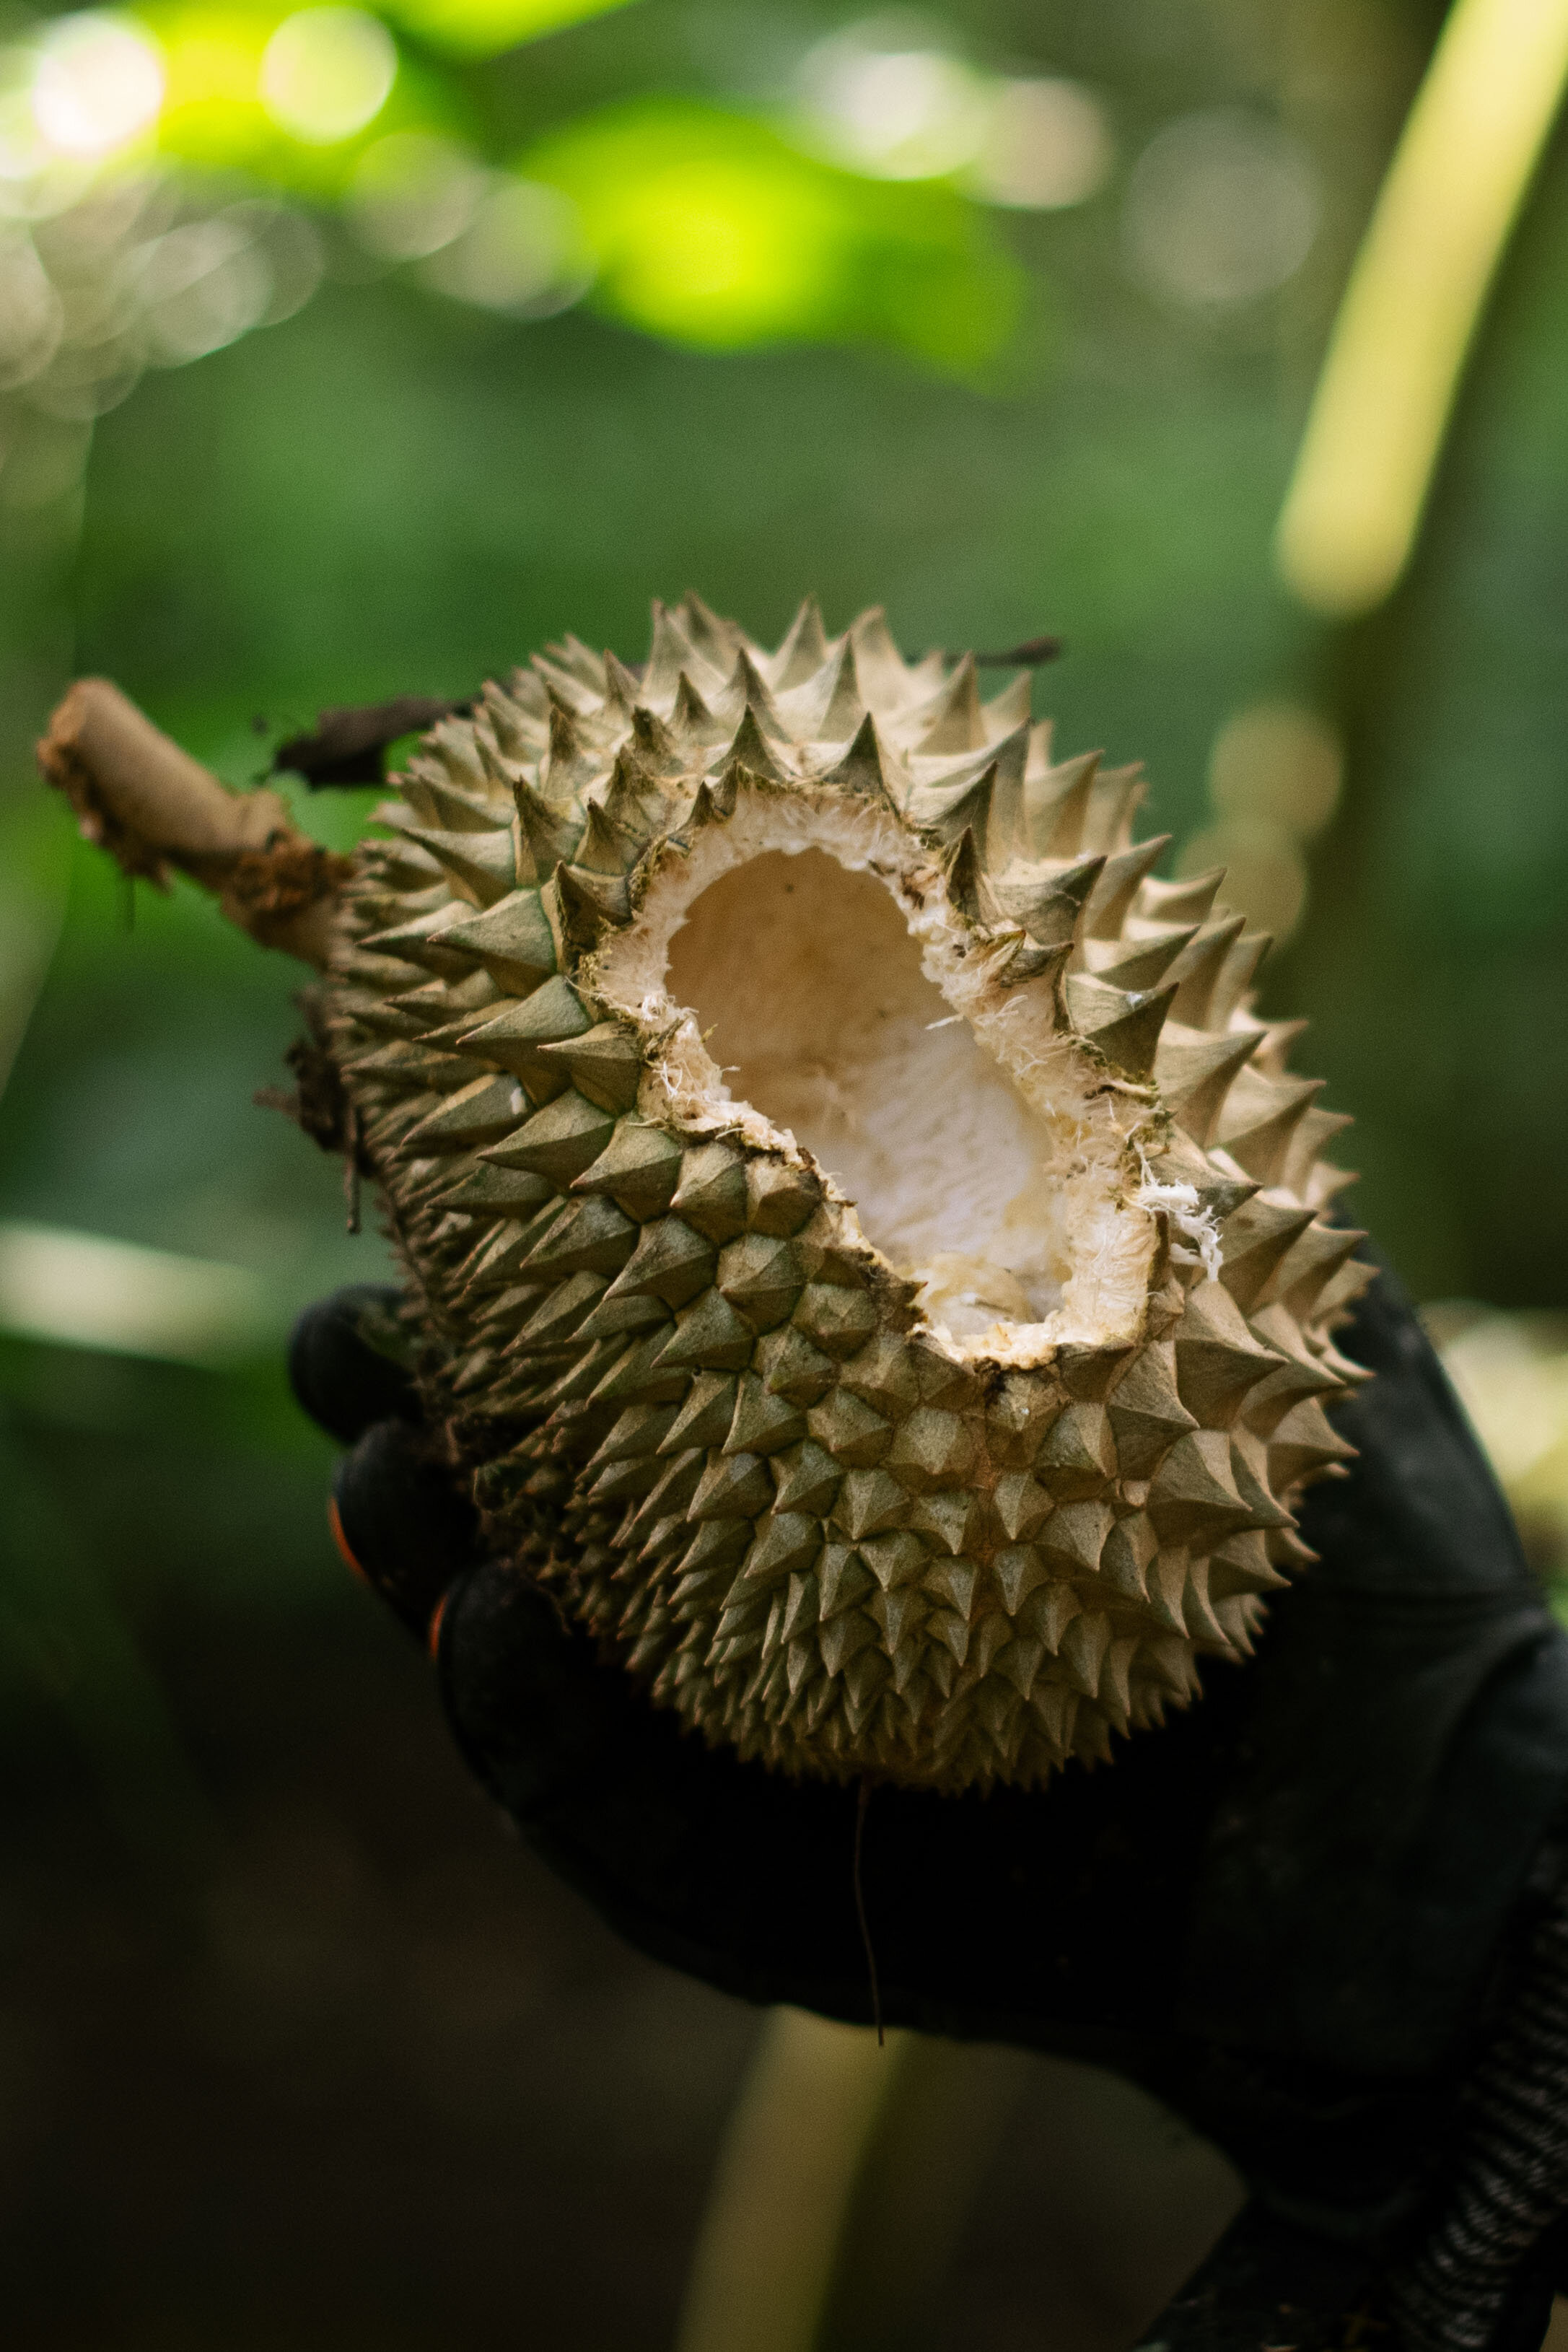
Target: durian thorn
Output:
[(948, 814), (883, 671), (1009, 709), (1113, 798), (1188, 900), (1274, 1047), (151, 806), (691, 717), (622, 689), (526, 692), (716, 639), (669, 652), (1026, 961), (607, 846), (863, 767), (1233, 995), (803, 651), (567, 693), (1057, 805), (952, 719), (751, 748), (1038, 763), (1198, 970), (580, 659), (964, 874), (1007, 829), (845, 705), (656, 748)]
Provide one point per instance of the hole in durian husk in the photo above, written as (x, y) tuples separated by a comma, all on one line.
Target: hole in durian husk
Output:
[(809, 991)]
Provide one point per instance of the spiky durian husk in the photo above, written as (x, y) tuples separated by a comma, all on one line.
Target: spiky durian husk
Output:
[(736, 1440)]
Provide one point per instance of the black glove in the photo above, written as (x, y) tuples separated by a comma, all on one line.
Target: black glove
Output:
[(1296, 1914)]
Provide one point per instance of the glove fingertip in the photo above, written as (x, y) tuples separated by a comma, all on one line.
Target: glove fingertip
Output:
[(339, 1375), (400, 1522), (535, 1715)]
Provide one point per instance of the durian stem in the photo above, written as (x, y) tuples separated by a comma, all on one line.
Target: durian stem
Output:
[(138, 795)]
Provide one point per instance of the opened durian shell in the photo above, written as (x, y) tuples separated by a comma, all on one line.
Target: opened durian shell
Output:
[(935, 1424)]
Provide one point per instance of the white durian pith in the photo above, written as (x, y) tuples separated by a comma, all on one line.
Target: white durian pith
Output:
[(873, 1252)]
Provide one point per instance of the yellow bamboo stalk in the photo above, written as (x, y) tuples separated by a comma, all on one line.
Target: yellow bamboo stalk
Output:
[(771, 2237), (1415, 293)]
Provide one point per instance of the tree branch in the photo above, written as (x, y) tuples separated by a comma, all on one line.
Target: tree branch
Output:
[(137, 794)]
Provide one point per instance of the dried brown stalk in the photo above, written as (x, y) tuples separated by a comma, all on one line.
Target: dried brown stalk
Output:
[(137, 794)]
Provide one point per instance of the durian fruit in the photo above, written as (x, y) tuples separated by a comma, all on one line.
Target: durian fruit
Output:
[(875, 1259)]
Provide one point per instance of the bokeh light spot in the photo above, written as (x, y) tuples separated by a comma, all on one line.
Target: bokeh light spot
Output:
[(413, 192), (327, 73), (1047, 145), (1222, 207), (885, 106), (30, 311), (1265, 873), (1281, 762), (24, 151), (100, 82), (522, 251), (204, 284)]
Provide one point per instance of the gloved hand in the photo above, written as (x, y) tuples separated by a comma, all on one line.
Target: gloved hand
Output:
[(1321, 1914)]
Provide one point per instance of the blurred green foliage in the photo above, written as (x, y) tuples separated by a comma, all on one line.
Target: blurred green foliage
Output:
[(486, 28), (213, 116), (708, 227)]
